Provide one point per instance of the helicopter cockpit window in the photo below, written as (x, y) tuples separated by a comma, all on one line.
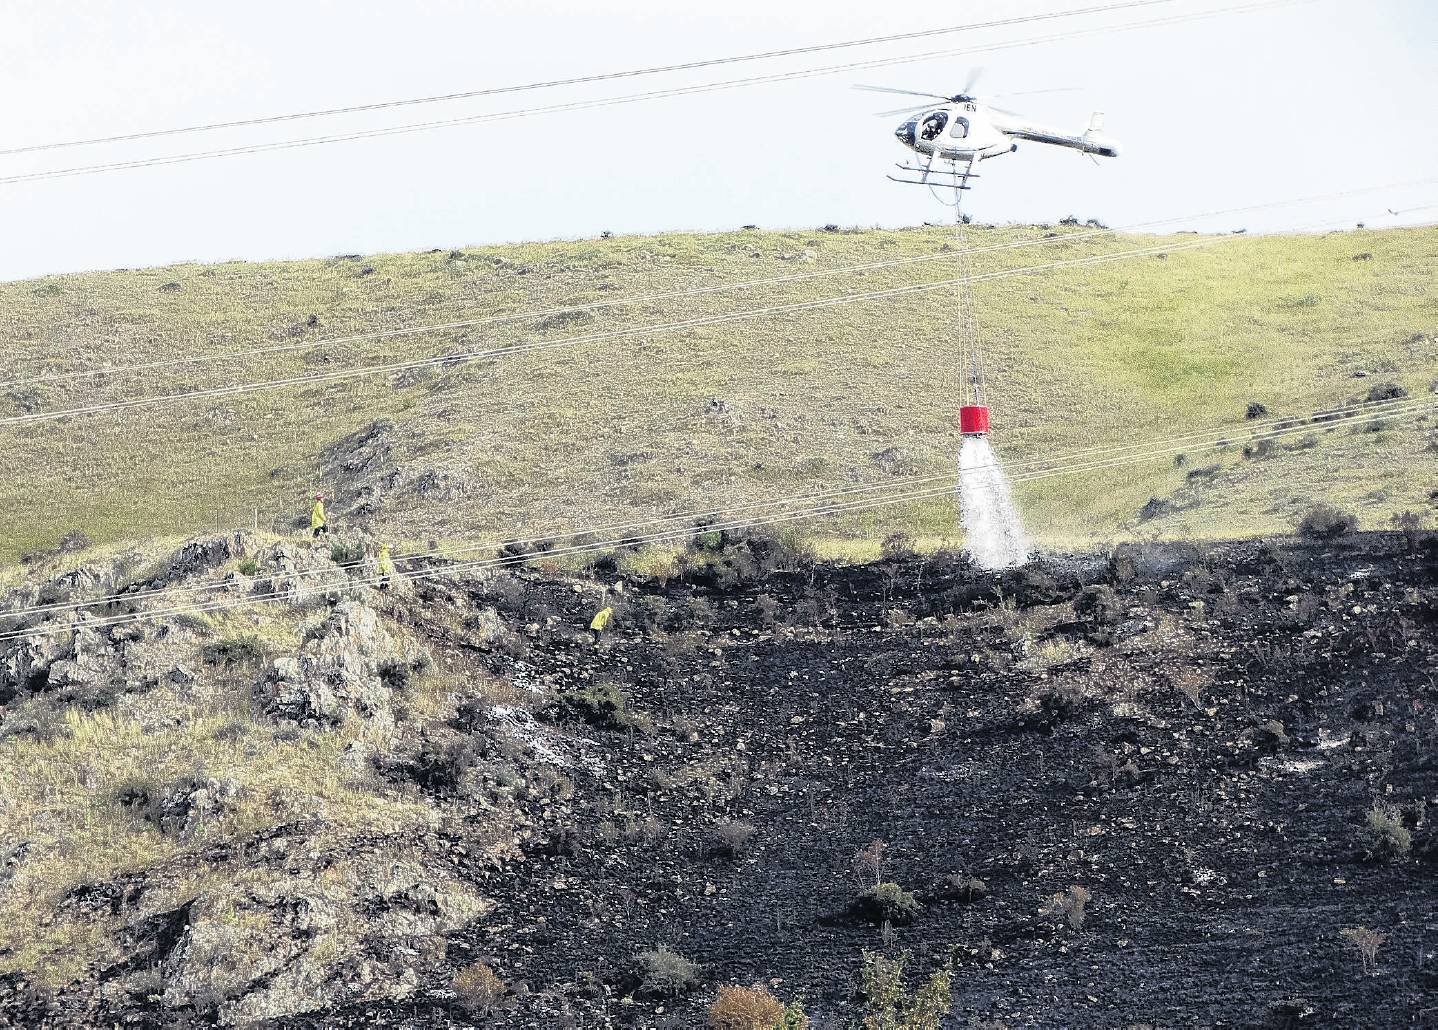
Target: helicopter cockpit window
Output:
[(960, 129), (933, 125)]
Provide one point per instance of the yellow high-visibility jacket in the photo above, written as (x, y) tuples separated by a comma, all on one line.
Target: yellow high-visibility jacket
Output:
[(601, 620), (317, 515), (386, 565)]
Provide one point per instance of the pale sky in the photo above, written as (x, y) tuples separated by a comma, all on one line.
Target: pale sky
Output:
[(1240, 109)]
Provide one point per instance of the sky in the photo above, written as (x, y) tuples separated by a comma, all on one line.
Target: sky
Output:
[(1242, 109)]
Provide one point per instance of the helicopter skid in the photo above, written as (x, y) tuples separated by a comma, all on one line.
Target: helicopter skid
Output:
[(930, 176)]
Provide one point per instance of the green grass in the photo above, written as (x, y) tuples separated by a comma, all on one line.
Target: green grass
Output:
[(1138, 349)]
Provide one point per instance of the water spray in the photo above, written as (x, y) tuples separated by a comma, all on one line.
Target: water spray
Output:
[(993, 532)]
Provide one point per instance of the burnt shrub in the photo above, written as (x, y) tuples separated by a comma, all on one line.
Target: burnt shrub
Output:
[(1255, 409), (1098, 605), (732, 837), (886, 902), (1325, 522), (1070, 906), (441, 766), (1060, 701), (961, 887)]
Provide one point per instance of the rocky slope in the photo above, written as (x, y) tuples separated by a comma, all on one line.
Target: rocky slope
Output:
[(1149, 787)]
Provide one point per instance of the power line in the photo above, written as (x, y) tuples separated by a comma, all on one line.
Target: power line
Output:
[(1270, 429), (675, 534), (402, 331), (587, 105), (463, 357), (589, 79)]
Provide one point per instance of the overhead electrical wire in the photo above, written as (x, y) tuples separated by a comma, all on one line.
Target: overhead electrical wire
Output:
[(670, 535), (463, 357), (587, 105), (403, 331), (581, 80), (1272, 429)]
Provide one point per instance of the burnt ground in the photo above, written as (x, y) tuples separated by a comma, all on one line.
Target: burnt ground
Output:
[(1193, 736), (1221, 850)]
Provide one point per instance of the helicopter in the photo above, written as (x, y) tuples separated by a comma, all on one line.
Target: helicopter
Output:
[(964, 129)]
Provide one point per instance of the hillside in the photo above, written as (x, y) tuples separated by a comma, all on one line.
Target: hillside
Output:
[(447, 806), (1136, 350)]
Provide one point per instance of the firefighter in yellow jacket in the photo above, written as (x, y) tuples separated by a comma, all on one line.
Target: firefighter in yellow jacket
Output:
[(319, 525), (600, 622)]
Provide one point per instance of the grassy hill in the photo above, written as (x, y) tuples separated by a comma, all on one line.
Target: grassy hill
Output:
[(1138, 349)]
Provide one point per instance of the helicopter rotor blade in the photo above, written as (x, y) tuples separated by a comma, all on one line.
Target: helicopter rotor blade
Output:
[(902, 110), (1033, 92), (901, 92), (975, 75)]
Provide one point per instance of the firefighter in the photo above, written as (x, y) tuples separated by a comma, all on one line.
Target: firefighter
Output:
[(319, 525), (600, 622)]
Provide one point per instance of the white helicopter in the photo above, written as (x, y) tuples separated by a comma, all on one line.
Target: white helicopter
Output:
[(964, 129)]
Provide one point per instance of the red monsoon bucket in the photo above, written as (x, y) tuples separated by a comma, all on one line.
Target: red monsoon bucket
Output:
[(974, 419)]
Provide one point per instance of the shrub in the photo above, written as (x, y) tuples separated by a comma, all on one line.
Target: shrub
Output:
[(1255, 409), (768, 609), (1366, 942), (890, 1006), (247, 567), (1098, 606), (732, 837), (897, 546), (1061, 700), (246, 649), (1410, 524), (600, 704), (1325, 522), (886, 902), (478, 989), (749, 1008), (1383, 834), (1385, 392), (342, 553), (1069, 905), (960, 887), (665, 973)]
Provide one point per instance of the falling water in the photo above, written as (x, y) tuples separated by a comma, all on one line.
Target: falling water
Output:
[(994, 535)]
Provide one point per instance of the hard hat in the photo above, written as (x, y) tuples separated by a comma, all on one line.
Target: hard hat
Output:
[(319, 497)]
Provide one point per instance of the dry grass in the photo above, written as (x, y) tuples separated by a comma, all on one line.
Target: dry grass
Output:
[(560, 438)]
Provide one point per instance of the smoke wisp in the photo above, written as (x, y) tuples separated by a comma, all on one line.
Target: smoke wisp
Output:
[(993, 533)]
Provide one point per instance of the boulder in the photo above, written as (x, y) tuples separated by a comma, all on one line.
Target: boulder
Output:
[(340, 673)]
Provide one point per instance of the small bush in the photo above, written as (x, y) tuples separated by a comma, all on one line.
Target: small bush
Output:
[(732, 838), (478, 989), (752, 1008), (897, 546), (1069, 905), (1098, 606), (342, 553), (1385, 392), (890, 1006), (665, 973), (600, 704), (247, 567), (886, 902), (1255, 409), (960, 887), (232, 652), (1325, 522), (1366, 942), (1383, 834)]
